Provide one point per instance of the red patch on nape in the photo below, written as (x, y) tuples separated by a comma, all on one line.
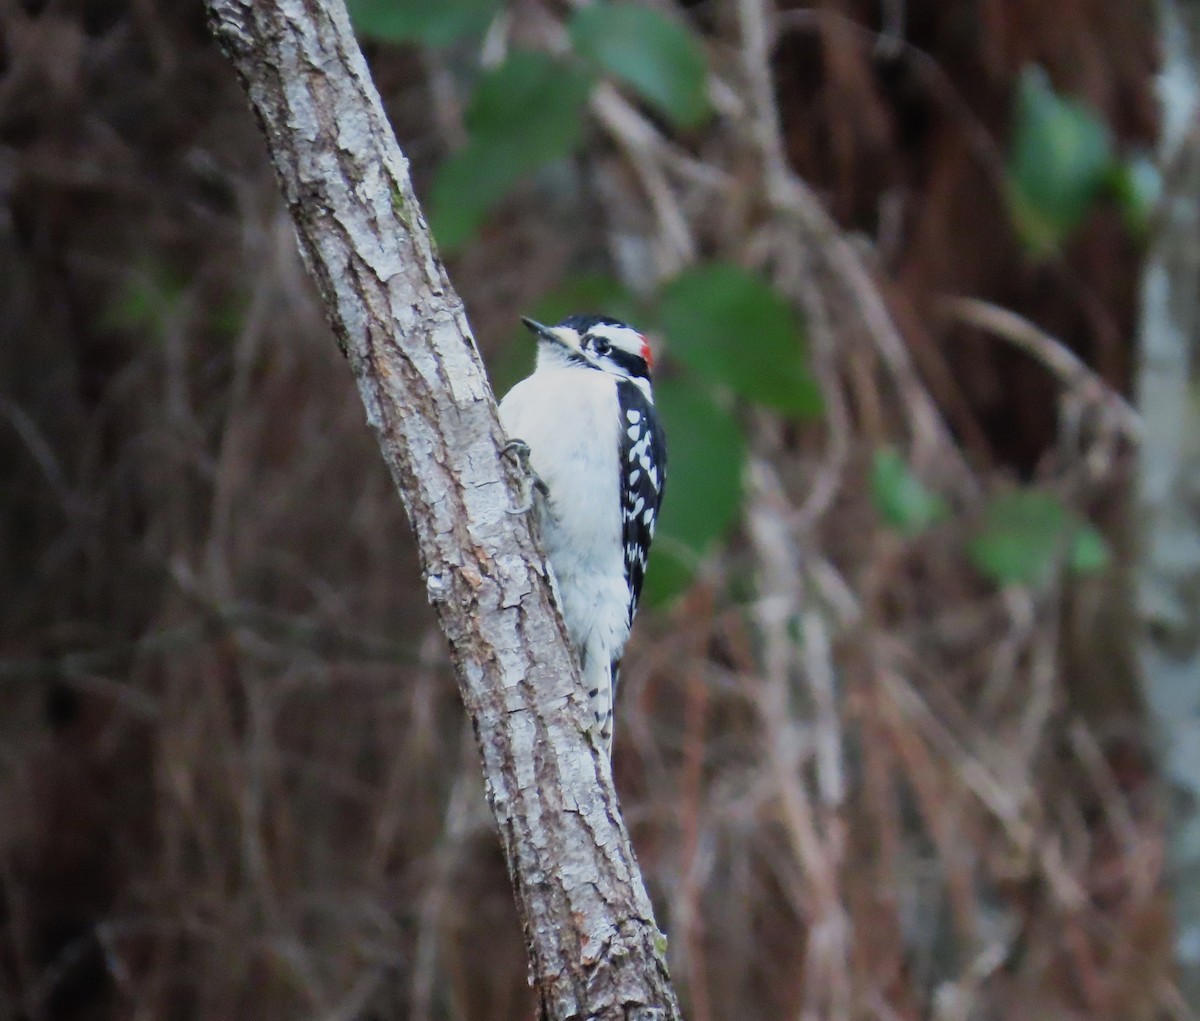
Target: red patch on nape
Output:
[(646, 355)]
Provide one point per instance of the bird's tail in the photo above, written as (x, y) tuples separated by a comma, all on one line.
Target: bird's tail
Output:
[(601, 680)]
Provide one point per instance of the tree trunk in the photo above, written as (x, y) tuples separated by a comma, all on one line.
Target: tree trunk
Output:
[(594, 948), (1169, 491)]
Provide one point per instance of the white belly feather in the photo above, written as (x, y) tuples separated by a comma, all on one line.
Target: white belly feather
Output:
[(569, 419)]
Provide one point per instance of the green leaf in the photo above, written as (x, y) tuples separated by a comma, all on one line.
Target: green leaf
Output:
[(1090, 552), (901, 499), (432, 22), (1028, 534), (704, 483), (660, 59), (465, 188), (704, 468), (531, 102), (1136, 186), (671, 570), (1061, 153), (732, 327), (522, 114), (146, 301)]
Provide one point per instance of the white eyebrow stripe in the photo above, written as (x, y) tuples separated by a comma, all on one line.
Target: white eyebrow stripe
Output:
[(625, 337)]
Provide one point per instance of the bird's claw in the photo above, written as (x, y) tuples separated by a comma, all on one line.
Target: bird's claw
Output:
[(518, 450)]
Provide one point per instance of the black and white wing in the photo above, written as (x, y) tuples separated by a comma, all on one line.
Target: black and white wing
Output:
[(643, 466)]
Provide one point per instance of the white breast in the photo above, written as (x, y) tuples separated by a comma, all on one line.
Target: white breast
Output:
[(569, 419)]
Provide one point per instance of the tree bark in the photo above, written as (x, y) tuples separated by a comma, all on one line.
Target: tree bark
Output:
[(1168, 492), (594, 948)]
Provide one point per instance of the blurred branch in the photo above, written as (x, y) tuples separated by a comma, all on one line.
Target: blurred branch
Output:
[(842, 290), (594, 948), (1057, 358)]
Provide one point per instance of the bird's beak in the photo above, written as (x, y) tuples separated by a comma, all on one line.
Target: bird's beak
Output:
[(556, 335)]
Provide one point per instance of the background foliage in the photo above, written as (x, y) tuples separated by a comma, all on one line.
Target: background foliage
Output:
[(878, 739)]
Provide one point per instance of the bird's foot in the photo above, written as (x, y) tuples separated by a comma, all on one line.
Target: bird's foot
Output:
[(518, 450)]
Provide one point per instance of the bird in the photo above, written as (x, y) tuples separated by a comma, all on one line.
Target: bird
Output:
[(586, 430)]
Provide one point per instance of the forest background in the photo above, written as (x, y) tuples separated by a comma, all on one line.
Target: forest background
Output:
[(909, 724)]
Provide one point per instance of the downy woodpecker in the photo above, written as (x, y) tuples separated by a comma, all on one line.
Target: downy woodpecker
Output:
[(585, 419)]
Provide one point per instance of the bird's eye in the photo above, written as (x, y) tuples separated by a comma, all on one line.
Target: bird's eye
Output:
[(601, 346)]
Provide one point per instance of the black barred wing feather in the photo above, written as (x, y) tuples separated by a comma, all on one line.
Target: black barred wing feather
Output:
[(643, 469)]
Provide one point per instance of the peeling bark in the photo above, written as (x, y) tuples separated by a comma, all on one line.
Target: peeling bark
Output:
[(594, 948)]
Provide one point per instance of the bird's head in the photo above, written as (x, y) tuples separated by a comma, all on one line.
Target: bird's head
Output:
[(593, 342)]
